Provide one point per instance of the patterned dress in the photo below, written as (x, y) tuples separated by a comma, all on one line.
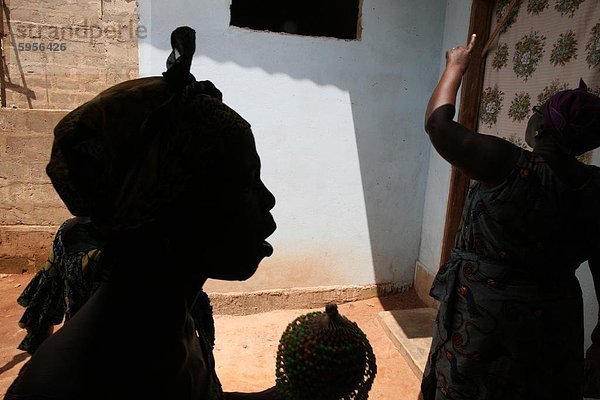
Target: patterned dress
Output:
[(66, 282), (510, 323)]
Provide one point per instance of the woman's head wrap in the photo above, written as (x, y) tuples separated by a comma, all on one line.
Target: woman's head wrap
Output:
[(137, 147), (573, 118)]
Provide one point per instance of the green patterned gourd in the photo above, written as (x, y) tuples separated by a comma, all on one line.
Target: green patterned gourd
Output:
[(324, 356)]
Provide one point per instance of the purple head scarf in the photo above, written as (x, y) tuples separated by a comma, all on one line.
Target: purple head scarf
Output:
[(573, 118)]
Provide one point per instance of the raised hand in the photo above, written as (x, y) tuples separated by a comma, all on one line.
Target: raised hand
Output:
[(460, 56)]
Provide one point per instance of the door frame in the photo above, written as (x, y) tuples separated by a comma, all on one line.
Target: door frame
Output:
[(468, 115)]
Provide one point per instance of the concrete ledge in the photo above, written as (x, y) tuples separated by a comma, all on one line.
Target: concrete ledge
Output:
[(24, 248), (245, 303), (410, 331), (423, 282)]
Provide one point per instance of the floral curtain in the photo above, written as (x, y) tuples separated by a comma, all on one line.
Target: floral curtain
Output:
[(545, 46)]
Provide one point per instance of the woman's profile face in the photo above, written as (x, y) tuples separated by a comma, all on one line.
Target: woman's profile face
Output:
[(237, 219)]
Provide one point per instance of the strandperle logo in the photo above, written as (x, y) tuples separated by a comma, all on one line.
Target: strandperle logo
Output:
[(81, 32)]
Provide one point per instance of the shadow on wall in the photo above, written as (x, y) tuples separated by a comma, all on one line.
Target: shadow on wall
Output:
[(388, 74), (9, 84)]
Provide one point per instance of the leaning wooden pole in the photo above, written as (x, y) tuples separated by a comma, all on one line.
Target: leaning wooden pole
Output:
[(2, 57)]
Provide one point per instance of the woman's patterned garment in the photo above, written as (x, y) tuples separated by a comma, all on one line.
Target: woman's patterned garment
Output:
[(510, 323)]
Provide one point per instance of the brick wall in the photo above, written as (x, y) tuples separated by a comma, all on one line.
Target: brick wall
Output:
[(87, 47), (99, 49), (30, 209)]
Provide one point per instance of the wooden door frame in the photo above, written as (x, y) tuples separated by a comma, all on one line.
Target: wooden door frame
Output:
[(468, 115)]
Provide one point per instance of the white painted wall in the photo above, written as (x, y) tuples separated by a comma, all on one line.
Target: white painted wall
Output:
[(338, 125)]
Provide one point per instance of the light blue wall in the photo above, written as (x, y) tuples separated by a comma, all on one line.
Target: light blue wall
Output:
[(338, 125)]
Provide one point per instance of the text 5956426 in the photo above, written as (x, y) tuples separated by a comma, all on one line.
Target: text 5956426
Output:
[(41, 46)]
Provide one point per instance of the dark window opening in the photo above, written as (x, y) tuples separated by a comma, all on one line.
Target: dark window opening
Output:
[(333, 18)]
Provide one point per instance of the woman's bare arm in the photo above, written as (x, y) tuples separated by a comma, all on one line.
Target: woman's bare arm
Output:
[(482, 157)]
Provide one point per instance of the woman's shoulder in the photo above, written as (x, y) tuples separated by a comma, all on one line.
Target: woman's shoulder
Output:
[(77, 235), (526, 162), (531, 177), (570, 176)]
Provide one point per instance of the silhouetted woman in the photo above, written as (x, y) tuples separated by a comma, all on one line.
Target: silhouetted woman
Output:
[(510, 323), (170, 179)]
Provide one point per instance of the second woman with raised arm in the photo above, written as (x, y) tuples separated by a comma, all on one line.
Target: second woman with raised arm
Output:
[(510, 322)]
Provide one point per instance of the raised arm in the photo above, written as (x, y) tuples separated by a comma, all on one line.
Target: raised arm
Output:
[(482, 157)]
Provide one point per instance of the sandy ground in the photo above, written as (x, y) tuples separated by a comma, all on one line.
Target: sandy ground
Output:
[(246, 346)]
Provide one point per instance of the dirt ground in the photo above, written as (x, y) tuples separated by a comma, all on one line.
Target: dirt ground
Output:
[(246, 345)]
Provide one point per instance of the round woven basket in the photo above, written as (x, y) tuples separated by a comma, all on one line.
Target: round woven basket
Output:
[(324, 356)]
